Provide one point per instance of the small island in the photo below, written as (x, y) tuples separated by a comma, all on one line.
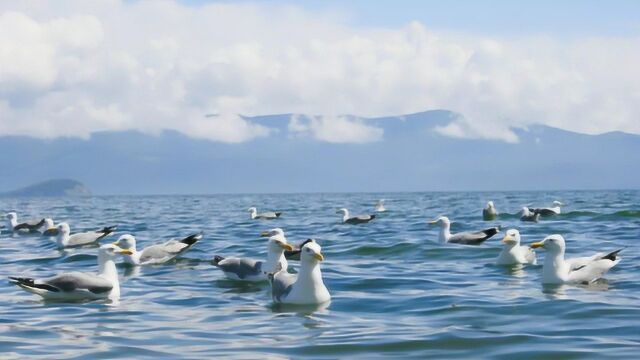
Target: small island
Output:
[(51, 188)]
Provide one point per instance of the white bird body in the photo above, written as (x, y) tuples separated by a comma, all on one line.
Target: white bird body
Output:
[(75, 286), (66, 239), (246, 269), (489, 212), (269, 215), (307, 288), (513, 253), (558, 270), (155, 254)]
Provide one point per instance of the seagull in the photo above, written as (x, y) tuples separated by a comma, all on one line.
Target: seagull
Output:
[(251, 270), (294, 254), (29, 226), (76, 286), (549, 211), (155, 254), (269, 215), (49, 228), (513, 253), (558, 270), (359, 219), (466, 238), (489, 212), (305, 288), (527, 215), (380, 206), (65, 239)]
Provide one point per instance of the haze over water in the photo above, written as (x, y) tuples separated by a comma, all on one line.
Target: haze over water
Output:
[(396, 291)]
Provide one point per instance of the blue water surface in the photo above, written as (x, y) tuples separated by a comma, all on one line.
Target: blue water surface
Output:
[(396, 292)]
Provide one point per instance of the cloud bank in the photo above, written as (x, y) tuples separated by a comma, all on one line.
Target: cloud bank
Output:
[(154, 65)]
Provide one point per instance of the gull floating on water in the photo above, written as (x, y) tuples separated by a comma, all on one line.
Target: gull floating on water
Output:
[(75, 286), (558, 270), (549, 211), (380, 206), (269, 215), (155, 254), (466, 238), (489, 212), (527, 215), (305, 288), (251, 270), (66, 239), (513, 253), (359, 219), (28, 226)]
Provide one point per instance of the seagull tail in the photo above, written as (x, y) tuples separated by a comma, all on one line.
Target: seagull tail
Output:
[(612, 255), (29, 283), (491, 231), (192, 239), (108, 230), (278, 213)]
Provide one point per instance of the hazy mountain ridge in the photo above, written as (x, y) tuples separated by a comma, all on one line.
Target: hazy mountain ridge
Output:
[(54, 187), (410, 157)]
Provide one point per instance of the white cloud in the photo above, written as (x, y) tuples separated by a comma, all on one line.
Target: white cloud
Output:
[(153, 65), (334, 129)]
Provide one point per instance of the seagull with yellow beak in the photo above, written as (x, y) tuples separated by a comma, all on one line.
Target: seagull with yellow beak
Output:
[(513, 253), (558, 270), (305, 288)]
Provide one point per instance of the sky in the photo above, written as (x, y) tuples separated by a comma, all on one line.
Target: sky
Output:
[(74, 67)]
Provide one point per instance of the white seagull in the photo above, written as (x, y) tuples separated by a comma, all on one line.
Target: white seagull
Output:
[(359, 219), (155, 254), (76, 286), (305, 288), (29, 226), (489, 212), (513, 253), (558, 270), (269, 215), (239, 268), (466, 238), (66, 239)]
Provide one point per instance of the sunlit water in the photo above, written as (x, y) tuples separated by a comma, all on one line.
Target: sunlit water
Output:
[(396, 291)]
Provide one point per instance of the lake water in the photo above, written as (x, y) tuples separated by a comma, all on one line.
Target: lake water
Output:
[(396, 291)]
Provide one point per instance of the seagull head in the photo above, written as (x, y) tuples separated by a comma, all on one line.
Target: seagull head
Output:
[(511, 238), (552, 243), (252, 209), (311, 253), (11, 215), (48, 222), (442, 220), (63, 229), (110, 251), (557, 203), (490, 205), (277, 241), (342, 211), (126, 241)]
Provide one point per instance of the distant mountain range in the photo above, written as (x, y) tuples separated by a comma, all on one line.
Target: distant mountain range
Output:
[(55, 187), (410, 157)]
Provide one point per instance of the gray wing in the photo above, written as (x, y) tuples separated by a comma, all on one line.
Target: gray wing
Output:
[(281, 283), (167, 250), (269, 215), (242, 267), (73, 281), (84, 238), (32, 225), (473, 238), (360, 219)]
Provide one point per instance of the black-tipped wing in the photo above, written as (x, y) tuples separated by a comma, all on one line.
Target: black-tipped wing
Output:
[(473, 238)]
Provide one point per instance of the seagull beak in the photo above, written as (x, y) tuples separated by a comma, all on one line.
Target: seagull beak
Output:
[(286, 247), (318, 257), (125, 252), (507, 239), (536, 245), (433, 222), (264, 234), (116, 243)]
